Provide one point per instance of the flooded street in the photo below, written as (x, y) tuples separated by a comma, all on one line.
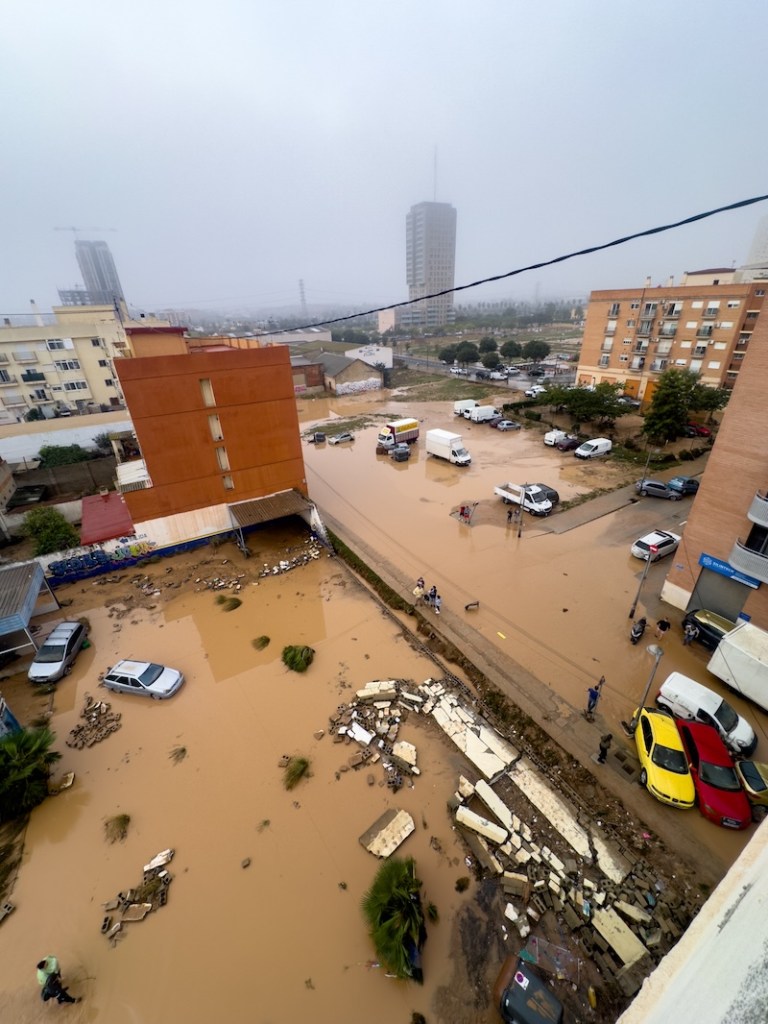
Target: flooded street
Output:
[(282, 939)]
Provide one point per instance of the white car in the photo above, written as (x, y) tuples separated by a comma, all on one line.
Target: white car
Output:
[(143, 677), (535, 390), (497, 375), (341, 438), (655, 545), (459, 371)]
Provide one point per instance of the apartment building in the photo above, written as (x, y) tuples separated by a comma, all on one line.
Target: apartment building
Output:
[(704, 324), (430, 264), (220, 442), (722, 562), (68, 364)]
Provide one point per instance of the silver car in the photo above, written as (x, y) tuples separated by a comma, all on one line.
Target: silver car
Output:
[(145, 678), (57, 654)]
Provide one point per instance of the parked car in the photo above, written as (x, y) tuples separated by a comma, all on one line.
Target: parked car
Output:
[(521, 997), (754, 778), (497, 375), (696, 430), (508, 425), (711, 626), (535, 390), (56, 655), (459, 371), (341, 438), (630, 401), (718, 790), (663, 765), (657, 489), (687, 699), (567, 444), (550, 492), (145, 678), (317, 438), (684, 484), (537, 371), (655, 545), (512, 371), (400, 452), (494, 421), (482, 374)]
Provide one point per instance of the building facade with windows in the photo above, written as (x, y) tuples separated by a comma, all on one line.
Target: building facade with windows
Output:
[(102, 285), (430, 264), (705, 325), (722, 562), (218, 431), (67, 365)]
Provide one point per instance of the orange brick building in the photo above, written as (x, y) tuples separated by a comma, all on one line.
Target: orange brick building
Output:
[(722, 562), (216, 429), (705, 324)]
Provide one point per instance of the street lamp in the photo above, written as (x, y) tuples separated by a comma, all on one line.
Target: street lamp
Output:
[(651, 451), (652, 550), (658, 654)]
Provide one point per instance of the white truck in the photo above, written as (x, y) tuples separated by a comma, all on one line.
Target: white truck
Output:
[(553, 436), (397, 432), (741, 661), (481, 413), (528, 496), (444, 444), (463, 404)]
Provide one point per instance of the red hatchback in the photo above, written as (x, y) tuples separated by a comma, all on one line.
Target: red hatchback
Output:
[(718, 790)]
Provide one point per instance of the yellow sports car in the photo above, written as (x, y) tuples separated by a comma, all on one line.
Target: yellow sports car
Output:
[(663, 765)]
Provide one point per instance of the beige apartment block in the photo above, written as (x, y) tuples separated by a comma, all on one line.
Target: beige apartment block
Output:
[(704, 324), (67, 364)]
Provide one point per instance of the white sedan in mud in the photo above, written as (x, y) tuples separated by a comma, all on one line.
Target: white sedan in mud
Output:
[(145, 678)]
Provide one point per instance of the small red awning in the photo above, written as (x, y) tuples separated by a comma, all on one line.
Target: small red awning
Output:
[(105, 517)]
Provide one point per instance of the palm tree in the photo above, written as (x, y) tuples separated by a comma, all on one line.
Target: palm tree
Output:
[(392, 908), (26, 760)]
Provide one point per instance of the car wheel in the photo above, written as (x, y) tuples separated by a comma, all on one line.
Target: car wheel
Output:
[(643, 492), (644, 778), (154, 696), (758, 813), (674, 497), (67, 670)]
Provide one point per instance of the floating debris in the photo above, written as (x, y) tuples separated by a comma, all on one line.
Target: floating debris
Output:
[(99, 722)]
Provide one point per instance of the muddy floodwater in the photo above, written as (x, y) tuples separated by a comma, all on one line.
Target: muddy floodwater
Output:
[(282, 939)]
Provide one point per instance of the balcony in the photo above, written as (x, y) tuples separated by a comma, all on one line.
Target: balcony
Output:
[(658, 365), (637, 363), (668, 330), (33, 377), (6, 379), (752, 563), (705, 331), (758, 510)]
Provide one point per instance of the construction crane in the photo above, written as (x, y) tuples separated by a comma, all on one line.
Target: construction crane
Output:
[(80, 230)]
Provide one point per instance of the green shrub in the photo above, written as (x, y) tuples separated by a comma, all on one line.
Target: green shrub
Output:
[(298, 658), (260, 642), (116, 828), (295, 771), (462, 884)]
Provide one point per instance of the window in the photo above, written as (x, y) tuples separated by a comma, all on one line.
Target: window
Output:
[(673, 309), (40, 394), (624, 359), (634, 305), (607, 344), (109, 382), (735, 303), (649, 309), (206, 390), (5, 377), (96, 342), (759, 291), (645, 327), (214, 425), (614, 310), (611, 328), (75, 385), (222, 458), (103, 362), (54, 343), (663, 348), (229, 483), (630, 323), (67, 364), (605, 360)]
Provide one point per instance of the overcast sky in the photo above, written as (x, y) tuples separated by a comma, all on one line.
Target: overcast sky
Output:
[(238, 146)]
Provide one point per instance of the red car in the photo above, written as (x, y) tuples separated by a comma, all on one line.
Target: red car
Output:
[(697, 430), (718, 790)]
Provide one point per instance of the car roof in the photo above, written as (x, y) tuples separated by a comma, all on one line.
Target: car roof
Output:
[(708, 618), (63, 631), (708, 742), (664, 728), (656, 536), (130, 667)]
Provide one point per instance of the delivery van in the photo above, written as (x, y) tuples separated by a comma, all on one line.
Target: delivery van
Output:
[(689, 700), (594, 448)]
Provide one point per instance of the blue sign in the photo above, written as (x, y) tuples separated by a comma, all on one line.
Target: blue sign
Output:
[(724, 569)]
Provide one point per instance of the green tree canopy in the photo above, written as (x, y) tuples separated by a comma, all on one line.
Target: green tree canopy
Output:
[(706, 399), (467, 352), (50, 531), (511, 349), (587, 405), (62, 455), (392, 907), (674, 397), (487, 344), (536, 350), (26, 760), (490, 360), (448, 354)]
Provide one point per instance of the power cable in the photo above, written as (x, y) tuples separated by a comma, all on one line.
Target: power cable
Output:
[(533, 266)]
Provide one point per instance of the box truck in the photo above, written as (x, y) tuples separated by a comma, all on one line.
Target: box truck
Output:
[(463, 404), (741, 661), (528, 496), (481, 414), (398, 432), (444, 444)]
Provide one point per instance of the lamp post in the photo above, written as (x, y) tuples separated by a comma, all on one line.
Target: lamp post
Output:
[(652, 549), (651, 451), (658, 654)]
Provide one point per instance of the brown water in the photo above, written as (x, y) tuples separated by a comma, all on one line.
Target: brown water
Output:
[(279, 940)]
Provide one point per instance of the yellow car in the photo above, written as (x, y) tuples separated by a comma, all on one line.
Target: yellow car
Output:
[(663, 765)]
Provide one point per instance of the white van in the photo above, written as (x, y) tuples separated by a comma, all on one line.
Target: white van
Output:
[(592, 449), (460, 407), (687, 699)]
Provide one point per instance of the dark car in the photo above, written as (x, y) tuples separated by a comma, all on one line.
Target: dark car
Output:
[(536, 371), (684, 484), (567, 444), (697, 430), (400, 452), (657, 489), (629, 401), (550, 492), (482, 374), (718, 790), (711, 626), (521, 997)]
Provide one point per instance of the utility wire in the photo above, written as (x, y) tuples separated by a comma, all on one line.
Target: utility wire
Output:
[(532, 266)]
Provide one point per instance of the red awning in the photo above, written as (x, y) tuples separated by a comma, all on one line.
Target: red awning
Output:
[(105, 517)]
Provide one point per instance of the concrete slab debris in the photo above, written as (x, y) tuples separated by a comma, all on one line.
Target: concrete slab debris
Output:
[(388, 832), (466, 789), (481, 825), (136, 911), (404, 753), (495, 804), (378, 690), (619, 936), (633, 913), (357, 732)]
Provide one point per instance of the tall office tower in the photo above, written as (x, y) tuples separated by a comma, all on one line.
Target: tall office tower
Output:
[(99, 273), (756, 267), (431, 263)]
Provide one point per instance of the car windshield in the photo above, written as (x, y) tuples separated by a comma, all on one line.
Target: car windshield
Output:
[(49, 653), (727, 717), (670, 760), (150, 674), (720, 776)]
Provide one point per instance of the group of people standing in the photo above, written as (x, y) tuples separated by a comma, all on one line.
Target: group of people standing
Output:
[(429, 597)]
